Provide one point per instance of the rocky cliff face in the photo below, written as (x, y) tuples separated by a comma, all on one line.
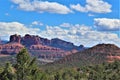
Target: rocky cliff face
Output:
[(39, 51), (38, 46), (10, 48), (15, 38), (43, 51), (29, 40), (68, 46)]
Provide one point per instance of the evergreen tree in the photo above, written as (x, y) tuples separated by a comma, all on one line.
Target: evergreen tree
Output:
[(8, 73), (25, 67)]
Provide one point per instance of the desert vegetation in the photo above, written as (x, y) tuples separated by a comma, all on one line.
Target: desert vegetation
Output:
[(26, 68)]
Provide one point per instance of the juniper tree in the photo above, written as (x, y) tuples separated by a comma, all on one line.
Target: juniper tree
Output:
[(8, 73), (26, 67)]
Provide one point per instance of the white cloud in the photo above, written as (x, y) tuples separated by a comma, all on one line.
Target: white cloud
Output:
[(91, 15), (42, 6), (19, 1), (37, 23), (80, 34), (96, 6), (10, 28), (66, 25), (78, 7), (106, 24)]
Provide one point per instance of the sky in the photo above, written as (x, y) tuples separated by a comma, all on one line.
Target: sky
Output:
[(87, 22)]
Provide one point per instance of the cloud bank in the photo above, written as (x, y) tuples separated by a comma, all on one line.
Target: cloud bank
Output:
[(42, 6), (10, 28), (96, 6), (78, 34), (106, 24)]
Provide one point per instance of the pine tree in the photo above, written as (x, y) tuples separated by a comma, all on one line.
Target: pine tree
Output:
[(8, 73), (26, 67)]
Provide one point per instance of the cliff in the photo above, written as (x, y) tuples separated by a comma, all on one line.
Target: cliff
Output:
[(10, 48), (39, 47), (29, 40)]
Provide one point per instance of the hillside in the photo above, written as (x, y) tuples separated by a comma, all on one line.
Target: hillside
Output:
[(94, 55), (25, 68)]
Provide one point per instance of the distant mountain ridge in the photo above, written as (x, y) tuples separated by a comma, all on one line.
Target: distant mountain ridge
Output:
[(29, 40), (56, 49), (39, 47), (3, 41), (94, 55)]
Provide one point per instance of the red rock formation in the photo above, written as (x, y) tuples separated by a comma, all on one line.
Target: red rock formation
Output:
[(45, 41), (29, 40), (38, 46), (45, 48), (15, 38), (42, 51), (10, 48), (112, 58)]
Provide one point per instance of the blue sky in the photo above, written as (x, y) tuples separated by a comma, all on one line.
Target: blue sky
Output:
[(86, 22)]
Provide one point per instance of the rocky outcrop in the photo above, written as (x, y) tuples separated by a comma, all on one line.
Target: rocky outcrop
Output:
[(47, 52), (29, 40), (43, 47), (10, 48), (39, 51), (15, 38), (39, 47), (45, 41), (63, 44)]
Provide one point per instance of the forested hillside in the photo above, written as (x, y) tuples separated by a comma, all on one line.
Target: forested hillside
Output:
[(95, 55), (26, 68)]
